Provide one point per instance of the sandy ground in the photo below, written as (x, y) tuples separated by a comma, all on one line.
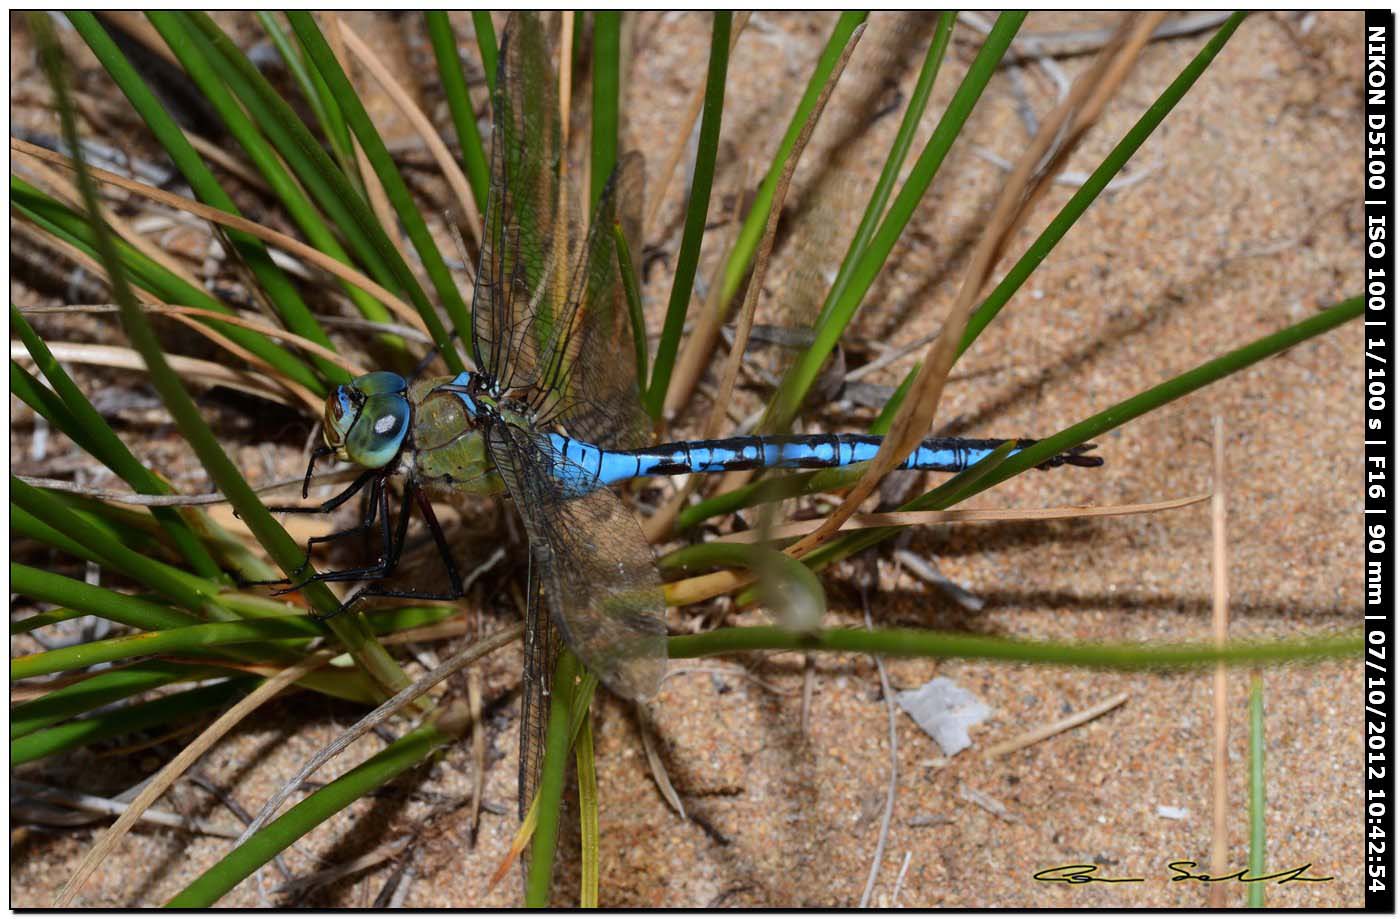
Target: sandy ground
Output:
[(1246, 221)]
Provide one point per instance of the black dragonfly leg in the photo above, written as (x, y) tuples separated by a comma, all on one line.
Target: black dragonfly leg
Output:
[(390, 553), (374, 476), (377, 589)]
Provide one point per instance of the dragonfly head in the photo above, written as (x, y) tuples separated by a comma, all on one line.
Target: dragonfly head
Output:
[(366, 419)]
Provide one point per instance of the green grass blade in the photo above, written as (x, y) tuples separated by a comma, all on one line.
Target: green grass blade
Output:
[(76, 229), (103, 444), (186, 640), (285, 552), (410, 215), (694, 231), (88, 599), (607, 50), (48, 405), (293, 61), (633, 296), (931, 644), (1258, 810), (96, 691), (313, 90), (324, 180), (746, 243), (185, 590), (486, 42), (1211, 371), (894, 160), (176, 708), (376, 772), (551, 788), (1098, 180), (194, 639), (459, 104), (332, 190), (587, 817), (210, 71), (281, 292), (39, 620), (805, 369)]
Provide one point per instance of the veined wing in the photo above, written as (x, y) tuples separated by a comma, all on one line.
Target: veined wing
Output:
[(549, 321), (593, 562), (536, 678)]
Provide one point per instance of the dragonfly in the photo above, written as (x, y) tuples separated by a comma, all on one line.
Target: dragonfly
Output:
[(551, 416)]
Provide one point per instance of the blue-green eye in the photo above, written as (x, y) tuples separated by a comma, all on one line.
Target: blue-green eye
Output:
[(381, 383), (378, 431)]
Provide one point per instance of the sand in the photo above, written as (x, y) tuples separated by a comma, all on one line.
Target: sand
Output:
[(1244, 219)]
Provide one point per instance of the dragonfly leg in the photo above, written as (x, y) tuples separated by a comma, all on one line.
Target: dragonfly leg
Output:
[(392, 549), (373, 476), (377, 589)]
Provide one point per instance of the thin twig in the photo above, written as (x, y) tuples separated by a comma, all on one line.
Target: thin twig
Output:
[(381, 714), (879, 855), (654, 762), (110, 807), (1030, 738), (899, 880), (162, 780)]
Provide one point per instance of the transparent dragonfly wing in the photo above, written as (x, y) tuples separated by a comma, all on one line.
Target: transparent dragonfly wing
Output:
[(549, 320), (550, 327), (591, 565), (592, 561), (537, 674)]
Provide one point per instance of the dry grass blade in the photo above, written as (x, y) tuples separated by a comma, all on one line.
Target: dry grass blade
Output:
[(697, 101), (381, 714), (707, 586), (476, 704), (964, 515), (917, 412), (1220, 622), (1021, 741), (196, 312), (262, 328), (699, 345), (452, 172), (79, 257), (214, 215), (172, 770), (67, 192), (206, 373), (654, 761), (374, 189), (765, 246)]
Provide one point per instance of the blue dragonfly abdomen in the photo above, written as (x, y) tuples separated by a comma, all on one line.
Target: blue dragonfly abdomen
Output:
[(588, 467)]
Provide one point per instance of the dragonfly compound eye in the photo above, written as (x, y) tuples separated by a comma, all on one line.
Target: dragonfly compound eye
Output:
[(342, 408), (378, 430)]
